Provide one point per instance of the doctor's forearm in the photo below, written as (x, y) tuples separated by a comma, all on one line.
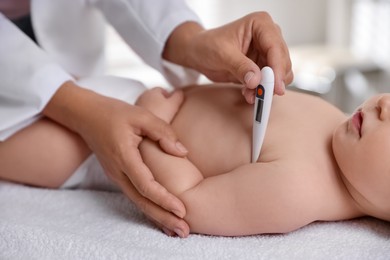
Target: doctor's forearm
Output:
[(70, 105)]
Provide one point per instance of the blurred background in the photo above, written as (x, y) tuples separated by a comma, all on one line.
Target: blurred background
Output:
[(340, 49)]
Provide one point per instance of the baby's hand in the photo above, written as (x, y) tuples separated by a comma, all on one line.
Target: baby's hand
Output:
[(161, 103)]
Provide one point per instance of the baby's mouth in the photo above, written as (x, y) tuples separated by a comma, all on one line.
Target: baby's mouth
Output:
[(357, 121)]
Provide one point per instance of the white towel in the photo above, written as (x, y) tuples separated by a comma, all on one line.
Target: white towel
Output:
[(89, 224), (85, 224)]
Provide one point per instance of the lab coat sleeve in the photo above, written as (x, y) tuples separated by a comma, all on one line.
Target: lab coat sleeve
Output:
[(28, 79), (145, 26)]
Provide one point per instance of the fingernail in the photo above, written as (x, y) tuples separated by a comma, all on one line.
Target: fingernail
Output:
[(181, 147), (280, 88), (248, 77), (167, 231), (178, 213), (179, 232), (283, 87), (252, 99)]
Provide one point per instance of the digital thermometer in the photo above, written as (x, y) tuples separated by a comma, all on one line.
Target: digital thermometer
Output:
[(262, 109)]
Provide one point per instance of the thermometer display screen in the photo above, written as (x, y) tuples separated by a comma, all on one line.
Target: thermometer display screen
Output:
[(259, 110), (260, 101)]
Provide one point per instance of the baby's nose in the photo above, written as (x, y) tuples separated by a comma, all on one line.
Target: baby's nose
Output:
[(384, 106)]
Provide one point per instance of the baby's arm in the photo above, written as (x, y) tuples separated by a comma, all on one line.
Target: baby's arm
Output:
[(43, 154), (251, 199)]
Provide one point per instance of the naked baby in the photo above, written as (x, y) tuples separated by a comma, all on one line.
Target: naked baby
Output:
[(316, 163)]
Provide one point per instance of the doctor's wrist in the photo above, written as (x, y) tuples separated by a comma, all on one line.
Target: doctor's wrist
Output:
[(178, 46), (69, 105)]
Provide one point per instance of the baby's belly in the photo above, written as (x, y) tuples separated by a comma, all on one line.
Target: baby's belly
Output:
[(215, 129)]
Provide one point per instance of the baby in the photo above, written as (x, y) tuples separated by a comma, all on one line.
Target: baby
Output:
[(316, 164)]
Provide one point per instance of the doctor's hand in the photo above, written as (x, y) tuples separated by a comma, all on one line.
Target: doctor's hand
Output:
[(113, 130), (234, 52)]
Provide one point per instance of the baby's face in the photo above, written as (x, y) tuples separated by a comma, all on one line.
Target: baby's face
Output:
[(362, 149)]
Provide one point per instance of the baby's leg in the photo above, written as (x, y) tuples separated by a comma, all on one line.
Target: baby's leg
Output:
[(43, 154)]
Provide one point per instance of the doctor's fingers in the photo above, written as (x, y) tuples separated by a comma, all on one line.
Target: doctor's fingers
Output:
[(160, 131), (257, 42), (249, 95), (143, 181), (165, 220), (270, 46), (278, 59)]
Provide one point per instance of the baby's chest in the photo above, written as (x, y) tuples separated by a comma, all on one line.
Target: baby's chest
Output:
[(287, 138)]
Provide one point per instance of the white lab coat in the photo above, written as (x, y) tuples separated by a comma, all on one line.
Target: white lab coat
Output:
[(71, 37)]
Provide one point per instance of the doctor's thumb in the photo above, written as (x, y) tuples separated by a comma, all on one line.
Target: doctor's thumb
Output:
[(245, 70)]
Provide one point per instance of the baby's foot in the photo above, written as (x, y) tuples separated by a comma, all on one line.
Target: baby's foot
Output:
[(161, 103)]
